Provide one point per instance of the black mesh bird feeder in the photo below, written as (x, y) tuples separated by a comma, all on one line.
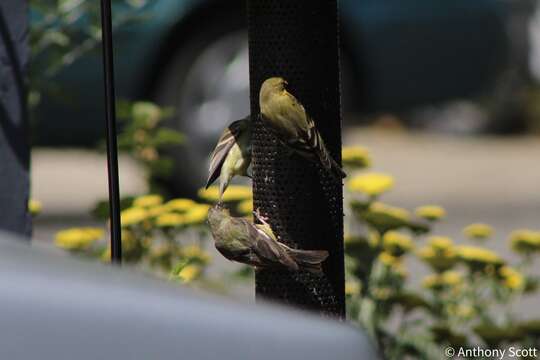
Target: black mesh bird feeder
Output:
[(298, 40)]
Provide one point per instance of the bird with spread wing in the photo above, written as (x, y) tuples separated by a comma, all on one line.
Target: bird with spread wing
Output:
[(232, 154)]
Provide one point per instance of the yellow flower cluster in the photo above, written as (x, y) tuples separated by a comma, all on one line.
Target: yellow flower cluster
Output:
[(430, 212), (525, 241), (189, 273), (245, 207), (355, 157), (440, 253), (477, 256), (392, 211), (371, 184), (147, 201), (397, 243), (393, 262), (77, 238), (170, 220), (478, 231), (174, 213), (233, 193), (447, 278), (180, 205), (196, 215), (511, 278), (34, 207), (133, 216)]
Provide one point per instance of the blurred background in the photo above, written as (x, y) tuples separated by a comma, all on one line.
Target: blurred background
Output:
[(444, 94)]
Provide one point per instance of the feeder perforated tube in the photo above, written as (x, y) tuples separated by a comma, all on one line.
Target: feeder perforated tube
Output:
[(298, 40)]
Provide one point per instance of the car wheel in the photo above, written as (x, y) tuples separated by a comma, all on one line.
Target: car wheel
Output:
[(207, 82)]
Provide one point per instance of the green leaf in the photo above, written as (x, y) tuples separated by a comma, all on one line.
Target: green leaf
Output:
[(166, 136)]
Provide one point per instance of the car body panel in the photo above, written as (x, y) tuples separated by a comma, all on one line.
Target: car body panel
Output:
[(56, 307)]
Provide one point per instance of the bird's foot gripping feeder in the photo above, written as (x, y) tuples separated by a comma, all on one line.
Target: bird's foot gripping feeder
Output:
[(298, 41)]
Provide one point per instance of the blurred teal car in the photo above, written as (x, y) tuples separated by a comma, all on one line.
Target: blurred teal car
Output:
[(193, 54)]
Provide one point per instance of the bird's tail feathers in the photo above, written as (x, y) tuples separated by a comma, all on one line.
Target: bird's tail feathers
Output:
[(337, 170), (309, 260)]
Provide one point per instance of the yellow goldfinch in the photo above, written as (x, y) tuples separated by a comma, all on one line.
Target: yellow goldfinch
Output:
[(287, 117)]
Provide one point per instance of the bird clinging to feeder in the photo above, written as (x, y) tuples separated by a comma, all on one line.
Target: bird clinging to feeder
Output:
[(232, 154), (240, 240), (288, 119)]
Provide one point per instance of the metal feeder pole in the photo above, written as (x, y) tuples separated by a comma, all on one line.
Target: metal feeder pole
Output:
[(298, 40), (110, 117)]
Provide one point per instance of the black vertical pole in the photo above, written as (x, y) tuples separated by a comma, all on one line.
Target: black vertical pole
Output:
[(110, 117), (298, 40)]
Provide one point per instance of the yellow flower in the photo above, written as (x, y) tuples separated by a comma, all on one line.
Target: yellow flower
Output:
[(430, 212), (525, 241), (478, 231), (372, 184), (393, 262), (511, 278), (190, 273), (355, 157), (352, 288), (180, 205), (382, 217), (233, 193), (195, 252), (393, 211), (77, 238), (245, 207), (445, 279), (388, 259), (147, 201), (157, 210), (477, 256), (440, 242), (396, 243), (35, 207), (170, 220), (440, 253), (197, 214), (133, 216)]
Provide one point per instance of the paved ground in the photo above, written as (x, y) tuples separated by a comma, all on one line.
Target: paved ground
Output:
[(493, 180)]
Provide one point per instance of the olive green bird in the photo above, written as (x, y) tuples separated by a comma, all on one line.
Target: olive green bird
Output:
[(240, 240), (288, 119), (232, 154)]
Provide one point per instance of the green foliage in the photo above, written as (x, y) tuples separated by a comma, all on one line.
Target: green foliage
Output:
[(62, 31), (144, 137), (466, 300)]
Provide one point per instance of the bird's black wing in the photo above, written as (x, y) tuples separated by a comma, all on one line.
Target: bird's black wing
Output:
[(224, 145)]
